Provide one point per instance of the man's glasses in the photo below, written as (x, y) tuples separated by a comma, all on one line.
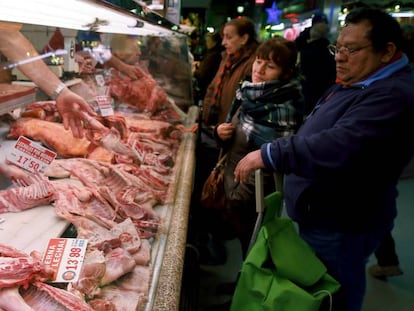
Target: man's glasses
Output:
[(333, 49)]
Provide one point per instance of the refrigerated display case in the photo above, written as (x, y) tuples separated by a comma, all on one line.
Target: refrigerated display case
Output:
[(165, 69)]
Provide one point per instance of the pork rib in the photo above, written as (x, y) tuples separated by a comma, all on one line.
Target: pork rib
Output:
[(17, 268), (21, 198), (41, 296), (10, 300)]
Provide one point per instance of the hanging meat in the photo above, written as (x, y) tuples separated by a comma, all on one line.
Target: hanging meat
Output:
[(145, 95)]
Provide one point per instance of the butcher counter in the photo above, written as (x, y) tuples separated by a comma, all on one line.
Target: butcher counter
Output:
[(31, 229)]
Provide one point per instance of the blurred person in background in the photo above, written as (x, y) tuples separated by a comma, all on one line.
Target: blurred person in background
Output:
[(240, 43), (304, 36), (206, 68), (239, 40), (317, 65), (408, 42)]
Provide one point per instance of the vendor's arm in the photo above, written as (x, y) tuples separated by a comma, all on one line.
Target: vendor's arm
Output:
[(132, 71), (17, 47)]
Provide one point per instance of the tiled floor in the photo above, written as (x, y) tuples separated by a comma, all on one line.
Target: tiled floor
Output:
[(396, 294)]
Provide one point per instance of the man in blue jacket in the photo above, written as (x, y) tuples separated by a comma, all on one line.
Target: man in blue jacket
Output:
[(342, 167)]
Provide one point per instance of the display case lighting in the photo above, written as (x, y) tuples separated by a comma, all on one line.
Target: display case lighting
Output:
[(76, 14), (403, 14)]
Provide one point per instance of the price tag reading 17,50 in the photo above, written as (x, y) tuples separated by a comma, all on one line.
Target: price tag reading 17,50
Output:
[(66, 257), (30, 155)]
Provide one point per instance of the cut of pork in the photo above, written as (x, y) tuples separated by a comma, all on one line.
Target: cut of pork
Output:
[(10, 300), (18, 268), (52, 135), (41, 297), (20, 198)]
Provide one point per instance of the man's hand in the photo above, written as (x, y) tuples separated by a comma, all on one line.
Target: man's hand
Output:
[(73, 108), (251, 162)]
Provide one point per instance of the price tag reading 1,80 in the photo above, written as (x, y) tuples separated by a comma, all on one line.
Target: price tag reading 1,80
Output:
[(66, 257), (30, 155)]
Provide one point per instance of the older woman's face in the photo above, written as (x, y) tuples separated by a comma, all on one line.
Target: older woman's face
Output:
[(232, 41)]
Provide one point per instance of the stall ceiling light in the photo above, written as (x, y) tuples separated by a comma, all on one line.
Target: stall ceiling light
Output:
[(76, 14)]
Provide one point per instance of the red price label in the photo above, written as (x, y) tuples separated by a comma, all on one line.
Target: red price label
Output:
[(30, 155), (66, 257)]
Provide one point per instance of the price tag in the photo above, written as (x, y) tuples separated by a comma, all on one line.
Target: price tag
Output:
[(66, 257), (100, 80), (30, 155), (105, 105)]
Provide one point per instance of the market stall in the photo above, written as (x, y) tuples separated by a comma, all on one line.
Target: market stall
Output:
[(155, 120)]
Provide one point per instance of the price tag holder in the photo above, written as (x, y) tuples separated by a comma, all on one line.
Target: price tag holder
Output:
[(103, 99), (105, 105), (66, 257), (30, 155)]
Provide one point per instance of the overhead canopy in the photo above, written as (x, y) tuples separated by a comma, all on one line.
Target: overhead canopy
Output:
[(78, 14)]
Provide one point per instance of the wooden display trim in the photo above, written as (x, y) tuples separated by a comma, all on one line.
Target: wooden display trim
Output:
[(10, 92)]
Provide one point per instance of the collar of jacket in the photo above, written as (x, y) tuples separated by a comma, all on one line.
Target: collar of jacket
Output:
[(245, 52), (384, 72)]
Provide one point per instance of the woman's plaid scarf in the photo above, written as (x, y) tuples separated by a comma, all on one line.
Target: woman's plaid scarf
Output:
[(268, 109), (230, 61)]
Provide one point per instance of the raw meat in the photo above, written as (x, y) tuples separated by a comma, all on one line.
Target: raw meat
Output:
[(41, 297), (52, 135), (10, 300), (118, 263), (112, 298), (17, 268), (93, 269), (145, 95), (85, 201), (21, 198)]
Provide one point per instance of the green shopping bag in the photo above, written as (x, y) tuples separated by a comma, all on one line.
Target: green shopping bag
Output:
[(281, 272)]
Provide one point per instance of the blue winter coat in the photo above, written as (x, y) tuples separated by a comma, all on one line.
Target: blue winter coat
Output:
[(343, 165)]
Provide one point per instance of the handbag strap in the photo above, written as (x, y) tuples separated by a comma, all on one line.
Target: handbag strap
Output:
[(221, 158)]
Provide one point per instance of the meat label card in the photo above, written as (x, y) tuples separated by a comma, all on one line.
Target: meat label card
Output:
[(66, 257), (103, 99), (30, 155), (105, 105)]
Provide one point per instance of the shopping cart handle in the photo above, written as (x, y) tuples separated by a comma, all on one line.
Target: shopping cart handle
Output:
[(259, 186), (258, 178)]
